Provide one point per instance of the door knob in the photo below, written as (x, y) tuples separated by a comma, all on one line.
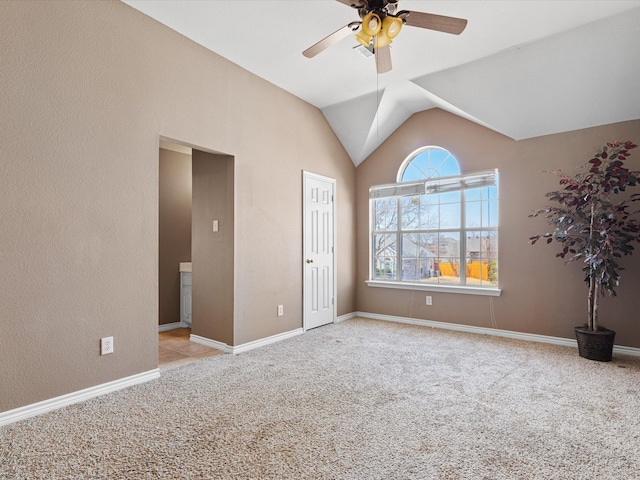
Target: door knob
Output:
[(309, 260)]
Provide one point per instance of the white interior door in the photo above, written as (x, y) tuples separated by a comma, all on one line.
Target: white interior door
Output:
[(319, 252)]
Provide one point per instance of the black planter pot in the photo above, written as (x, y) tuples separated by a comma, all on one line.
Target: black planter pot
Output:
[(595, 345)]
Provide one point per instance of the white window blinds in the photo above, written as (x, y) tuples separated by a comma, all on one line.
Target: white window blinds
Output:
[(454, 183)]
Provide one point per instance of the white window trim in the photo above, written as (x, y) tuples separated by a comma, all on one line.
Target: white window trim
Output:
[(455, 182)]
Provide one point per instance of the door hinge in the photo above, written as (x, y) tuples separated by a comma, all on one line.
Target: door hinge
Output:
[(333, 300)]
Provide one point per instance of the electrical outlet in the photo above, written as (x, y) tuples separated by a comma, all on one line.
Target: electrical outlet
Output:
[(429, 300), (106, 345), (280, 310)]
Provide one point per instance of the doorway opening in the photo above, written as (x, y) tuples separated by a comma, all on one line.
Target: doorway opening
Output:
[(174, 234), (196, 245)]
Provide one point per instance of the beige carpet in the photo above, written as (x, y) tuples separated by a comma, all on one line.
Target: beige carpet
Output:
[(358, 400)]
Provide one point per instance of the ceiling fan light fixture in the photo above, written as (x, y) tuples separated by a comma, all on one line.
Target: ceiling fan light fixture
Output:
[(363, 38), (390, 29), (371, 24), (391, 26)]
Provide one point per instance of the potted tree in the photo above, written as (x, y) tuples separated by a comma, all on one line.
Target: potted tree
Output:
[(594, 225)]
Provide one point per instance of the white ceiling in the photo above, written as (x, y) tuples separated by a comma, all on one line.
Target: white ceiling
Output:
[(522, 68)]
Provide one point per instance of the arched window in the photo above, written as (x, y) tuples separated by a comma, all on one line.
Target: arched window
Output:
[(436, 227), (428, 162)]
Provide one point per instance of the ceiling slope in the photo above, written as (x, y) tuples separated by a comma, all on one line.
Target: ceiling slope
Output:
[(523, 68)]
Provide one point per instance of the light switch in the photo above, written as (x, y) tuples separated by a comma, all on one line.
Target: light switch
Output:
[(215, 225)]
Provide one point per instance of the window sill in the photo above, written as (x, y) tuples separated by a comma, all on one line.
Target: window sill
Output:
[(488, 291)]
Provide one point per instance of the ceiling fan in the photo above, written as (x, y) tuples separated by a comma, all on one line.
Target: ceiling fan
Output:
[(380, 24)]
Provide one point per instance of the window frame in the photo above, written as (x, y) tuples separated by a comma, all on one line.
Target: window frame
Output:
[(462, 183)]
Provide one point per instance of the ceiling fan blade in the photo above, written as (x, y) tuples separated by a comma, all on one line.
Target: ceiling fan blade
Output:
[(383, 59), (439, 23), (329, 40)]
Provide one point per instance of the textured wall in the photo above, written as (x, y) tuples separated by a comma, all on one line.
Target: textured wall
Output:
[(213, 252), (87, 90), (539, 294)]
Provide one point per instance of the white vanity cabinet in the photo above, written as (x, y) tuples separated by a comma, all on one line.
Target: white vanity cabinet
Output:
[(185, 293)]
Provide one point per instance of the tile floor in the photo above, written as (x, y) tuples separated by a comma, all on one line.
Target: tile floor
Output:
[(175, 349)]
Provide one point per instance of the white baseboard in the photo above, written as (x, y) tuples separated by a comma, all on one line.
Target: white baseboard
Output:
[(21, 413), (529, 337), (34, 409), (347, 316), (624, 350), (245, 347), (172, 326), (210, 343)]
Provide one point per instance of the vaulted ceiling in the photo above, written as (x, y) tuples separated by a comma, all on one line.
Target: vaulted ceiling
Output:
[(522, 68)]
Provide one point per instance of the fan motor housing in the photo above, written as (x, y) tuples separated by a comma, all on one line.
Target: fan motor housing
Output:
[(382, 8)]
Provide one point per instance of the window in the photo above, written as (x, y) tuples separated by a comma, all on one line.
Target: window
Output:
[(436, 227)]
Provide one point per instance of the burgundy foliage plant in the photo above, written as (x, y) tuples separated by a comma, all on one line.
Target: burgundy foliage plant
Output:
[(594, 220)]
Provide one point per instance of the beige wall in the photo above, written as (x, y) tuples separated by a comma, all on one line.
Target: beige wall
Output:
[(174, 232), (213, 252), (539, 294), (87, 90)]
